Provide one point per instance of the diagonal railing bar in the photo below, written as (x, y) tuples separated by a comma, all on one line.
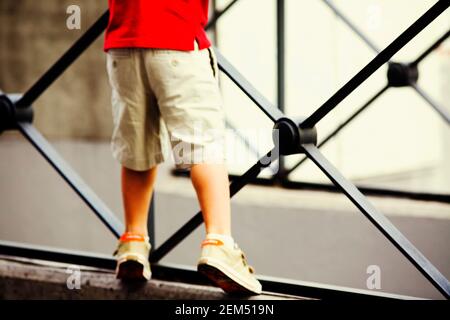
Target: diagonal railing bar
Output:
[(383, 57), (351, 25), (64, 62), (368, 191), (72, 178), (380, 221), (197, 219), (265, 105), (371, 44), (343, 125), (442, 112), (211, 23), (439, 109), (431, 48)]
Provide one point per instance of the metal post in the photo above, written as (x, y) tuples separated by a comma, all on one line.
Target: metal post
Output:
[(281, 68)]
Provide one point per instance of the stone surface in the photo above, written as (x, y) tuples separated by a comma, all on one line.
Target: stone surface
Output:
[(32, 279)]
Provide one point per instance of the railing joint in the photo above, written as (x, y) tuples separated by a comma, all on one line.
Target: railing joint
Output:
[(402, 74), (10, 115), (289, 137)]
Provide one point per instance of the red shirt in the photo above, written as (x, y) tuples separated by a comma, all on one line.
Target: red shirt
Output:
[(162, 24)]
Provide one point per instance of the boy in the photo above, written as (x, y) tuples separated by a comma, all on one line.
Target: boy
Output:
[(164, 80)]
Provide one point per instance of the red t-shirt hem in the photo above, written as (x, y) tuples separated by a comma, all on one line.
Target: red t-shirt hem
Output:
[(152, 44)]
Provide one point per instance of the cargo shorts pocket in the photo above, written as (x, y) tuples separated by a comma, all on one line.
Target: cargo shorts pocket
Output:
[(120, 67)]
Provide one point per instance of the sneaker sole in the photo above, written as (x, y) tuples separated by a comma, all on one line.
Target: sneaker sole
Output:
[(131, 270), (224, 281)]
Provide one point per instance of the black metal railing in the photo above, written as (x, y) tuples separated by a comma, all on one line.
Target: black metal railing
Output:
[(294, 138), (399, 75)]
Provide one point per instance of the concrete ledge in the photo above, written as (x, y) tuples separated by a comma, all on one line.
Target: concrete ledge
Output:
[(22, 278)]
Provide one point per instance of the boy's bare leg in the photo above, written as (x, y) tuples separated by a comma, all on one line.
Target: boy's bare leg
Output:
[(137, 189), (212, 186), (221, 260), (133, 249)]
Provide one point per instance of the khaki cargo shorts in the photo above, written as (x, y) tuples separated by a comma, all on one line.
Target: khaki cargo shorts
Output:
[(165, 102)]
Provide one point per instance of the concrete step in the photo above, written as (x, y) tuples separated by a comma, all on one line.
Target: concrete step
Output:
[(22, 278)]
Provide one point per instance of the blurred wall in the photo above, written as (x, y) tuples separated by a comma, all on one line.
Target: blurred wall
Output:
[(33, 35)]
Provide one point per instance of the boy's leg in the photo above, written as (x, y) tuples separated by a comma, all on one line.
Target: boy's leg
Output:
[(212, 186), (137, 144), (221, 260), (137, 190), (133, 249)]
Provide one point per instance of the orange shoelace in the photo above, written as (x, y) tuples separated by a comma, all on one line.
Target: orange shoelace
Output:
[(128, 236), (211, 242)]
